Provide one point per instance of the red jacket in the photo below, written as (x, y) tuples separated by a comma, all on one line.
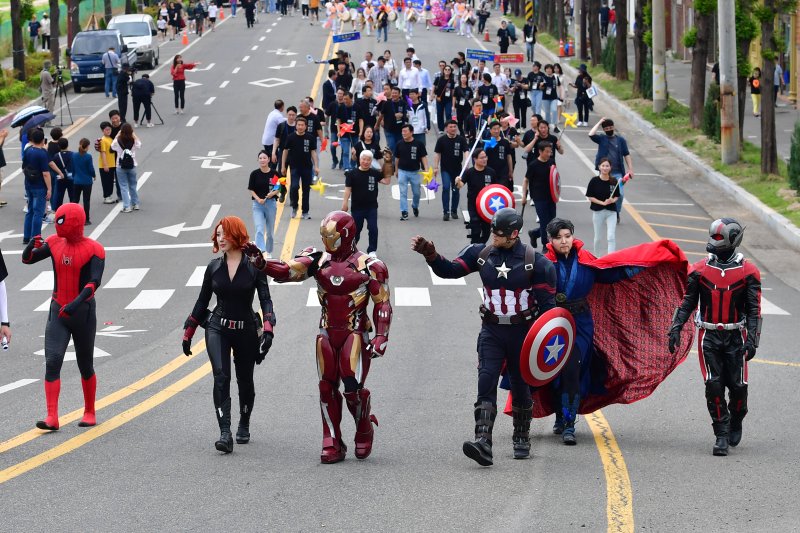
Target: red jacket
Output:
[(177, 71)]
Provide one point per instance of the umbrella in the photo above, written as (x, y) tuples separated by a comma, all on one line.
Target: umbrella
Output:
[(25, 114), (37, 121)]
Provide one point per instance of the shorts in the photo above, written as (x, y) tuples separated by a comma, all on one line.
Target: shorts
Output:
[(212, 19)]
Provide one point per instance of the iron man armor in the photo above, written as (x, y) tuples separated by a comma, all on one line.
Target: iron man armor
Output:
[(346, 280)]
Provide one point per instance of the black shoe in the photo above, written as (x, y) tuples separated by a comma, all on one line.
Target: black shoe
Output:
[(558, 426), (721, 447), (416, 211), (618, 220), (454, 215), (533, 234), (242, 435), (556, 130), (735, 435), (403, 215), (479, 451), (568, 437), (446, 217), (25, 241), (225, 442)]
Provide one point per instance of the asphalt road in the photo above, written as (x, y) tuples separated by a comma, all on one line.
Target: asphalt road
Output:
[(150, 463)]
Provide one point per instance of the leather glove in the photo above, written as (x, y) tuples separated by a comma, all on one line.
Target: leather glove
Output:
[(67, 310), (38, 242), (377, 346), (254, 255), (674, 339), (749, 350), (189, 327), (264, 344), (422, 246)]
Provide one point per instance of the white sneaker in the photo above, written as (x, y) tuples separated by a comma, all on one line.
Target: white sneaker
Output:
[(135, 207), (127, 210), (109, 200), (372, 254), (149, 124)]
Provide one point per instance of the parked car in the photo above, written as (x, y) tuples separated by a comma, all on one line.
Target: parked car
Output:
[(86, 65), (139, 33)]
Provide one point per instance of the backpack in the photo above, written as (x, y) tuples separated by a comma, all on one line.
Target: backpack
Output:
[(126, 159)]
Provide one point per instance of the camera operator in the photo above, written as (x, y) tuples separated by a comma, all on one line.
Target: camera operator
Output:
[(47, 87), (123, 83), (142, 92)]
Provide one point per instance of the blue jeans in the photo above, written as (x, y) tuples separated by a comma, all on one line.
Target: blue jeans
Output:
[(36, 205), (371, 217), (385, 31), (529, 50), (448, 188), (126, 178), (111, 81), (550, 110), (406, 178), (271, 8), (618, 175), (346, 144), (392, 139), (233, 9), (536, 102), (334, 138), (419, 137), (264, 221), (444, 111), (546, 211)]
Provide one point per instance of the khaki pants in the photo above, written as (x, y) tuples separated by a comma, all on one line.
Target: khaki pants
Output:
[(49, 101)]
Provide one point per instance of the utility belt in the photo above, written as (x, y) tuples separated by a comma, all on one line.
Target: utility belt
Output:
[(520, 318), (236, 325), (575, 307), (720, 326)]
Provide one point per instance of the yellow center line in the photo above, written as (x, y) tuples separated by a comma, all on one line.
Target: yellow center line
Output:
[(98, 431), (688, 228), (648, 229), (110, 399), (676, 215), (777, 363), (619, 502)]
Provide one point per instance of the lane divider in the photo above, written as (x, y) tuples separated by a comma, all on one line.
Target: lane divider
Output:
[(619, 496)]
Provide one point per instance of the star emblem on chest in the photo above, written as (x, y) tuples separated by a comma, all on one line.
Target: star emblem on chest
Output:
[(503, 270)]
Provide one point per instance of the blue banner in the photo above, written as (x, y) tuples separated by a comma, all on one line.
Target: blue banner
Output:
[(475, 53), (344, 37)]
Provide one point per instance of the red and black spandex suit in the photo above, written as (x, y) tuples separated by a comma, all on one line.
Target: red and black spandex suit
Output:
[(78, 264), (729, 296)]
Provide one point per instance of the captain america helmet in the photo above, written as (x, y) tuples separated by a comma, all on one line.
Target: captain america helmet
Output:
[(338, 232), (505, 221), (724, 235)]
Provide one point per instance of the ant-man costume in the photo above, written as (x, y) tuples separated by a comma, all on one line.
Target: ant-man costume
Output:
[(78, 264), (346, 279)]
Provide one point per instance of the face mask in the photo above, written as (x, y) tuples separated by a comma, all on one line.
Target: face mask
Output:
[(610, 133)]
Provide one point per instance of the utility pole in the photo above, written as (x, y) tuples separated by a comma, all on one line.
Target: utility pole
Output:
[(728, 85), (659, 57)]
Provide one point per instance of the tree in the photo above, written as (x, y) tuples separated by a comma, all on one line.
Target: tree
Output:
[(594, 32), (794, 159), (55, 32), (73, 20), (746, 31), (583, 36), (107, 14), (562, 21), (639, 48), (621, 9), (697, 39), (17, 44)]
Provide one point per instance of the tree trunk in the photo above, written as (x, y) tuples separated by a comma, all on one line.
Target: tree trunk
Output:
[(55, 32), (639, 48), (743, 47), (129, 6), (621, 8), (551, 18), (107, 14), (697, 94), (73, 20), (584, 33), (769, 145), (18, 45), (595, 45), (562, 23), (542, 15)]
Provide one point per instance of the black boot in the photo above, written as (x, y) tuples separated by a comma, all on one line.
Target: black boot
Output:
[(570, 412), (735, 433), (533, 234), (558, 425), (721, 446), (225, 442), (243, 432), (522, 427), (480, 450)]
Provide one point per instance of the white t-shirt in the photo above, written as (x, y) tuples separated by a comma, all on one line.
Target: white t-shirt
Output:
[(45, 22), (212, 11)]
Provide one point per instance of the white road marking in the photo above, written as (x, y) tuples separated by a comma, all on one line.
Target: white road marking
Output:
[(412, 297), (269, 30), (70, 356), (254, 48), (42, 282), (44, 307), (17, 384), (274, 24), (191, 121), (224, 84), (273, 282), (168, 148), (465, 214), (769, 308), (312, 300), (261, 39), (444, 281), (126, 278), (426, 194), (245, 58), (100, 228), (151, 299), (236, 70), (210, 100), (196, 279)]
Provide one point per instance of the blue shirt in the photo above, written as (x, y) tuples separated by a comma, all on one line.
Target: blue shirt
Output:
[(36, 159), (615, 148), (82, 168)]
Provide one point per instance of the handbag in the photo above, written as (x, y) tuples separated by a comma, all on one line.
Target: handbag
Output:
[(67, 173)]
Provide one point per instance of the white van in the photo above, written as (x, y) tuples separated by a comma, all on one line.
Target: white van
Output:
[(139, 33)]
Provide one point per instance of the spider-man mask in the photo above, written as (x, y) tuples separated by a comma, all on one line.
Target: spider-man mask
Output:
[(69, 221)]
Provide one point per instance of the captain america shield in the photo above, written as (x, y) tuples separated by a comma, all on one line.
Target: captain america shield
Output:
[(555, 184), (491, 199), (547, 347)]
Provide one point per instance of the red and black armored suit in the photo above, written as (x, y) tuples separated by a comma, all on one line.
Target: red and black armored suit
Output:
[(346, 280), (729, 297), (78, 264)]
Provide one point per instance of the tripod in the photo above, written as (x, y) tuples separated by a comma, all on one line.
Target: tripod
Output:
[(61, 91), (155, 110)]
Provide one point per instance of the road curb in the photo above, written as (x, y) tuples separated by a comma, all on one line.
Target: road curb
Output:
[(6, 120), (768, 216)]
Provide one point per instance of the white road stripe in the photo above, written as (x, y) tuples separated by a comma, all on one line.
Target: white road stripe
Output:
[(269, 30), (151, 299), (261, 39), (443, 281), (412, 297), (126, 278), (196, 279), (254, 48), (192, 121), (210, 100), (44, 307), (245, 58), (224, 84), (168, 148), (17, 384), (42, 282), (236, 70), (100, 228), (313, 299), (769, 308)]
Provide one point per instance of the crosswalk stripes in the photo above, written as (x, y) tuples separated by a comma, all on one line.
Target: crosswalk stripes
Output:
[(436, 280), (151, 299), (412, 297), (42, 282), (196, 279), (126, 278)]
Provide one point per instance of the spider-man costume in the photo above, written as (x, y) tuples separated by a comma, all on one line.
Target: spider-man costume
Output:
[(346, 279), (78, 264)]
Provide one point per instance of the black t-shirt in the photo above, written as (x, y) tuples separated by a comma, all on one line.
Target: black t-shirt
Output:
[(535, 80), (313, 123), (390, 122), (550, 84), (52, 149), (451, 152), (497, 160), (365, 108), (259, 182), (538, 174), (300, 147), (552, 139), (363, 187), (486, 94), (511, 134), (374, 147), (475, 180), (409, 155), (464, 96), (344, 81), (601, 190), (349, 115), (283, 131)]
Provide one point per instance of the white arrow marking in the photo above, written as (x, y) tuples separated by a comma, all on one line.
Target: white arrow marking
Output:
[(189, 85), (222, 167), (282, 52), (270, 82), (174, 231), (278, 67), (10, 235), (117, 331), (70, 356), (207, 67)]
